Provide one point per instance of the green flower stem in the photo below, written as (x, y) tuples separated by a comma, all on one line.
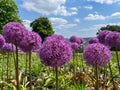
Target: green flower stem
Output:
[(26, 65), (97, 78), (56, 70), (30, 71), (17, 68), (118, 62), (111, 74)]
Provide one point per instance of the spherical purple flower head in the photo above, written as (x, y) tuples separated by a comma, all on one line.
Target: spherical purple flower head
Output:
[(76, 39), (101, 36), (75, 46), (93, 40), (55, 51), (113, 39), (8, 47), (60, 37), (2, 41), (13, 31), (31, 42), (97, 55), (81, 40)]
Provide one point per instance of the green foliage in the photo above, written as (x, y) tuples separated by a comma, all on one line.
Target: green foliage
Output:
[(8, 12), (111, 28), (42, 26)]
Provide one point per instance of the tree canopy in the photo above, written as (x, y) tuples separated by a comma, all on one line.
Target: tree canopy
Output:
[(42, 26), (111, 28), (8, 12)]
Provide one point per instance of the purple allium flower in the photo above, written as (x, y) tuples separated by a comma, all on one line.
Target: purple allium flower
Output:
[(76, 39), (55, 51), (13, 31), (2, 41), (97, 55), (113, 39), (31, 42), (93, 40), (8, 47), (75, 46), (81, 40), (101, 36)]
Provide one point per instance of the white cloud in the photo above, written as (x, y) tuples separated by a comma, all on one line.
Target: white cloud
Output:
[(116, 15), (60, 23), (26, 23), (47, 7), (74, 9), (105, 1), (88, 7), (77, 20), (95, 17)]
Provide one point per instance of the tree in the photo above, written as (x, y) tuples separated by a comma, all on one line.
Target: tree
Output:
[(8, 12), (111, 28), (42, 26)]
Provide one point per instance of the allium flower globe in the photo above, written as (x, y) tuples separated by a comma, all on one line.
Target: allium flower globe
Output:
[(93, 40), (8, 47), (55, 51), (113, 39), (75, 46), (31, 42), (2, 41), (97, 55), (76, 39), (13, 32), (101, 36)]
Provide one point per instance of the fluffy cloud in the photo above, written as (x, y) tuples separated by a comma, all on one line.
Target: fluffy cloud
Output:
[(88, 7), (47, 7), (95, 17), (105, 1), (77, 20), (116, 15), (60, 23)]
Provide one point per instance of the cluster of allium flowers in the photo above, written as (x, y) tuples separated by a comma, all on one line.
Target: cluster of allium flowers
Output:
[(76, 39), (13, 32), (55, 51), (75, 46), (30, 42), (8, 47), (97, 55), (101, 36), (113, 39), (2, 41), (93, 40)]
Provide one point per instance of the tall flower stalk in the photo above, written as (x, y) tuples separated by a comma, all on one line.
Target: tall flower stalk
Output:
[(113, 40), (55, 52), (97, 55), (31, 42), (13, 32)]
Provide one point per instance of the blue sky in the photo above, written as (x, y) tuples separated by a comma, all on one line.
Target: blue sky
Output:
[(82, 18)]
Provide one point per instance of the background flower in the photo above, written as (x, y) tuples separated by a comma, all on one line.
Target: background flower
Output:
[(75, 46), (30, 42), (93, 40), (113, 39), (97, 55), (8, 47), (2, 41), (101, 36)]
